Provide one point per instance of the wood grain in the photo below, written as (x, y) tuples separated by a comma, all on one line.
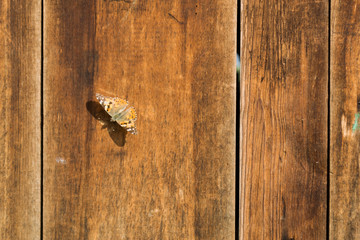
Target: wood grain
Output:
[(20, 132), (174, 61), (283, 125), (345, 131)]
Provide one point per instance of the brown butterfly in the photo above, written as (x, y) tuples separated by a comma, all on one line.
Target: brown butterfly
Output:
[(119, 111)]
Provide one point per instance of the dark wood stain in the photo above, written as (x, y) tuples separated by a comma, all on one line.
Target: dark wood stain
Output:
[(283, 119)]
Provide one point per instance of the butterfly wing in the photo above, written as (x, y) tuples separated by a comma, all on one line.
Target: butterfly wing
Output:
[(113, 106), (127, 119)]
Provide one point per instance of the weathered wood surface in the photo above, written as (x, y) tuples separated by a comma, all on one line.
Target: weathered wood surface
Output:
[(174, 62), (283, 125), (20, 132), (345, 122)]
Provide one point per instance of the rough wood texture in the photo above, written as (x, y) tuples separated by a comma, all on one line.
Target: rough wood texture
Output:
[(174, 61), (345, 122), (20, 68), (283, 148)]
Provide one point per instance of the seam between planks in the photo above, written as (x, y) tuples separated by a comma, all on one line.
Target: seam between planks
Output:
[(328, 128), (237, 133), (42, 123)]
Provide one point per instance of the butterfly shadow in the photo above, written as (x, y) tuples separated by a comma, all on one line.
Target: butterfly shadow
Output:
[(116, 132)]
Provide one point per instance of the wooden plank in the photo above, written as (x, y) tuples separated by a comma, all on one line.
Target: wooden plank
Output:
[(20, 132), (344, 118), (283, 125), (174, 61)]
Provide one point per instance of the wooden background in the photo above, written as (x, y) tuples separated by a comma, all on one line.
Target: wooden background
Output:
[(20, 126), (344, 107), (174, 61), (65, 176), (284, 120), (299, 149)]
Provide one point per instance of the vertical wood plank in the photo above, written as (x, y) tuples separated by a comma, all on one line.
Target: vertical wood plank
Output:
[(345, 122), (174, 62), (20, 133), (283, 128)]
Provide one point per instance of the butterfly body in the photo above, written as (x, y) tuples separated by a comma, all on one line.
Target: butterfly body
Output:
[(119, 111)]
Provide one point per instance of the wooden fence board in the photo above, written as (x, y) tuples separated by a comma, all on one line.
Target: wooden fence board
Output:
[(283, 125), (20, 132), (174, 62), (345, 122)]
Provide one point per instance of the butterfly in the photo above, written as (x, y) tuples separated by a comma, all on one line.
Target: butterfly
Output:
[(119, 111)]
